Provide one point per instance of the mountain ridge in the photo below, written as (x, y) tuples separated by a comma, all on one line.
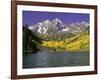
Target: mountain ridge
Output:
[(56, 25)]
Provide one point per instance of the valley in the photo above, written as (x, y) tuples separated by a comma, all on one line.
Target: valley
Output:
[(56, 36)]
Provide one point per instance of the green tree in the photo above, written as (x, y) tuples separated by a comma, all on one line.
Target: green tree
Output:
[(30, 40)]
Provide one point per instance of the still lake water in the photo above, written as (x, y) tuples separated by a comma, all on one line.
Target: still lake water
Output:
[(55, 59)]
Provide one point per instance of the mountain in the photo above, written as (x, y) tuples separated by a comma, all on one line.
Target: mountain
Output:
[(56, 26), (57, 23), (76, 27)]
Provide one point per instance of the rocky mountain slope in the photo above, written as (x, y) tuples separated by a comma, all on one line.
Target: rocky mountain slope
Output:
[(56, 26)]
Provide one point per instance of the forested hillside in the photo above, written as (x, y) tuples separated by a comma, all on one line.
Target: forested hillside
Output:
[(80, 42)]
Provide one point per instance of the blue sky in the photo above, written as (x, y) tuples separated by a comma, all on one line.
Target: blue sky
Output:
[(33, 17)]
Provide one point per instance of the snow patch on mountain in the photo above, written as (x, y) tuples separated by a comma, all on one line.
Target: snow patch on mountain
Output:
[(58, 26)]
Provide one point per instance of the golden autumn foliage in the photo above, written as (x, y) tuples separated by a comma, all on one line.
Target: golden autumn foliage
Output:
[(79, 42)]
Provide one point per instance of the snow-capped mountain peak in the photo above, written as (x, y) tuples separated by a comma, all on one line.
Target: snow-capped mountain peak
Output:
[(46, 21), (57, 20), (56, 25)]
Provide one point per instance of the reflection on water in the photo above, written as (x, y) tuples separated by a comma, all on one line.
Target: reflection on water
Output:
[(55, 59)]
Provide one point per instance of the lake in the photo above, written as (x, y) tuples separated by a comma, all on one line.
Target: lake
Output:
[(44, 59)]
